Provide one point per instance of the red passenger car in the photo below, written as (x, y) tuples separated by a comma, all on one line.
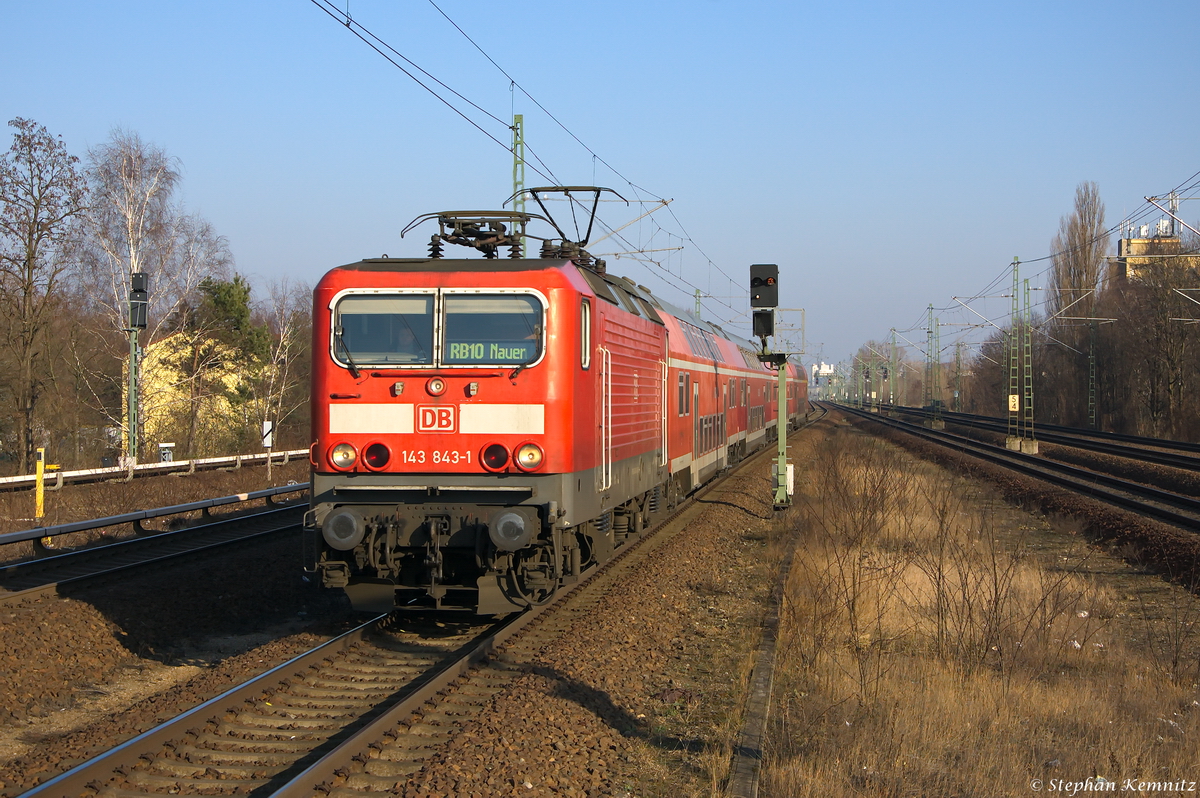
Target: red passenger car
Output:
[(486, 428)]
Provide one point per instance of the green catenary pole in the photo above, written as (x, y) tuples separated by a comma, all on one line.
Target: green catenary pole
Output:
[(518, 148)]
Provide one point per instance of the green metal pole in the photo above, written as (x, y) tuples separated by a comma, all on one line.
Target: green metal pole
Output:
[(518, 149), (782, 499), (133, 396), (1092, 374), (1014, 398), (1027, 321), (893, 372), (936, 352)]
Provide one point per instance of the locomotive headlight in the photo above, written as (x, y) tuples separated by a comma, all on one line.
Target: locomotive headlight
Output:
[(436, 386), (528, 457), (343, 456), (342, 530), (511, 529)]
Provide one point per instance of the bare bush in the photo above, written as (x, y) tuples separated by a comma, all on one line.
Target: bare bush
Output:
[(959, 657)]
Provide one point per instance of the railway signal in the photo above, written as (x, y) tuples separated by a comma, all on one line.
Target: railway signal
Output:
[(764, 285), (764, 323), (139, 304), (764, 293)]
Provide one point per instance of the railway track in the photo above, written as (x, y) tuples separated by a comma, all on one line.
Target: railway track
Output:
[(1161, 505), (27, 579), (359, 713), (1176, 454)]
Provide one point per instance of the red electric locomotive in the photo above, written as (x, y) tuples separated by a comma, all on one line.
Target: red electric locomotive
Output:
[(485, 429)]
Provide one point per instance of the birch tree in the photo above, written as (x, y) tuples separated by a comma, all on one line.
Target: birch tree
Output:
[(287, 312), (134, 226)]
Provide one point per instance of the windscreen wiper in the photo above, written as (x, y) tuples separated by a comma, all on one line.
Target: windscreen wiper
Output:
[(522, 366), (337, 339)]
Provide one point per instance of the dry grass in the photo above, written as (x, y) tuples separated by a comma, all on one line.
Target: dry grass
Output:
[(930, 648)]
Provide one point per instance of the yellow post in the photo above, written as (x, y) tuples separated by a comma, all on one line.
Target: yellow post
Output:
[(41, 485)]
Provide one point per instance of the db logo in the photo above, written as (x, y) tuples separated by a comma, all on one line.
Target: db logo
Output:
[(435, 418)]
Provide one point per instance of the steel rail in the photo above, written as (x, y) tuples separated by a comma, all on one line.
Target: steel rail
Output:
[(1186, 462), (323, 771), (21, 581), (1073, 432), (1091, 483), (127, 754), (137, 516), (376, 720)]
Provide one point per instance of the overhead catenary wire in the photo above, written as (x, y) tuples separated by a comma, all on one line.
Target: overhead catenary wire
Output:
[(1040, 306), (541, 168), (379, 45), (595, 156)]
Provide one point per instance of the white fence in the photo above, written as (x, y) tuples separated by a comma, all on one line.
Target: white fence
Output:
[(56, 479)]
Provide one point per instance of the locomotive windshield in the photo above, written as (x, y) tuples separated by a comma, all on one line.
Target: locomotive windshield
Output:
[(379, 329), (492, 329)]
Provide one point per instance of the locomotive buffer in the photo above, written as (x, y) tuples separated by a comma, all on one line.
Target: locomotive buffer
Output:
[(764, 294)]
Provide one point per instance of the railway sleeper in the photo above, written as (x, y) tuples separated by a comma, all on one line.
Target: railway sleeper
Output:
[(384, 772), (269, 723), (264, 759), (175, 784)]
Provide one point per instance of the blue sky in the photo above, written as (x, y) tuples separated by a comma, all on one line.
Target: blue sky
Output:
[(886, 155)]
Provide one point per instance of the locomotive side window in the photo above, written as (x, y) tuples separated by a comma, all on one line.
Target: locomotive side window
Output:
[(381, 329), (585, 333), (491, 329)]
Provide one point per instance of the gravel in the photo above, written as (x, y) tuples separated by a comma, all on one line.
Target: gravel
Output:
[(118, 656), (643, 698)]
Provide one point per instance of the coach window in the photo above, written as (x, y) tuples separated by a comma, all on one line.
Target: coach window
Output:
[(383, 330), (685, 393), (585, 334), (492, 329)]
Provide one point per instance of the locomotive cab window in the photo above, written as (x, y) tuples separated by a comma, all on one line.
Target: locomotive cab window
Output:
[(492, 329), (380, 330)]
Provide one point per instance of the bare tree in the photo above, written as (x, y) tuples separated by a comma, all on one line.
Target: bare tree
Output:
[(1079, 250), (42, 196), (133, 226), (1078, 261), (283, 388)]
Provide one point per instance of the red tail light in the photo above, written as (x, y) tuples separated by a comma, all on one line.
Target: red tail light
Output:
[(376, 456), (494, 457)]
